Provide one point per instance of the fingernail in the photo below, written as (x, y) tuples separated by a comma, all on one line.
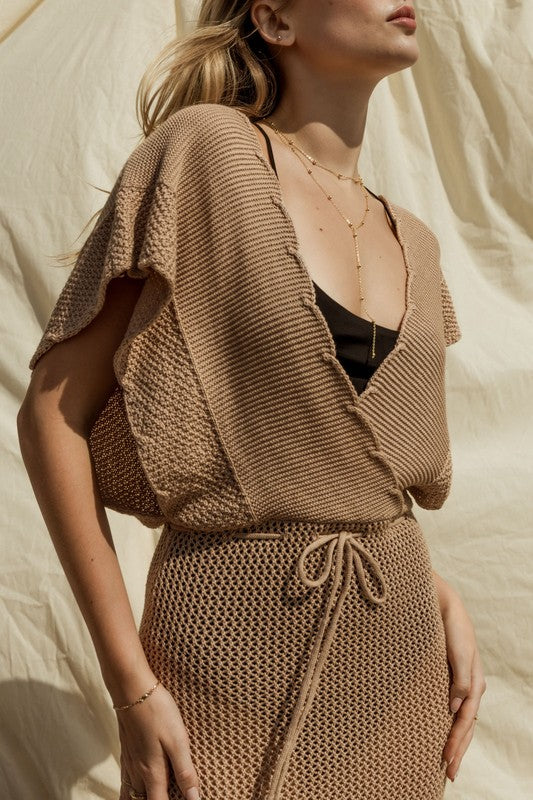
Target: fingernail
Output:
[(192, 793), (455, 704)]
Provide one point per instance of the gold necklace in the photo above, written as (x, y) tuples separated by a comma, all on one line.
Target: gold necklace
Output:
[(294, 147), (313, 160)]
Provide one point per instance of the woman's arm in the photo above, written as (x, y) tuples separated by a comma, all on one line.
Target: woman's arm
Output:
[(446, 593), (69, 385), (468, 682)]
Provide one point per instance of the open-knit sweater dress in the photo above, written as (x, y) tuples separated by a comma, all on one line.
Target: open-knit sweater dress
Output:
[(290, 606)]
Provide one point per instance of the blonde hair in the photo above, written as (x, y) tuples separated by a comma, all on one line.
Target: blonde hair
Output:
[(223, 59)]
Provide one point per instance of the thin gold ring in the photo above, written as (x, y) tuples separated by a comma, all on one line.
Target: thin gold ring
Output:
[(135, 795)]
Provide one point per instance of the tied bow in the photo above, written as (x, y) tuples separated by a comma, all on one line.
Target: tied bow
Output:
[(347, 549)]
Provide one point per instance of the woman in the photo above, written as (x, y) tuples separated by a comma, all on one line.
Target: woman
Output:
[(266, 379)]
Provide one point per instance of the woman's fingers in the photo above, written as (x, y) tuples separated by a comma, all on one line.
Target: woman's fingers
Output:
[(462, 747), (461, 663), (156, 749), (146, 770), (126, 768), (460, 733), (179, 753), (154, 777), (464, 723)]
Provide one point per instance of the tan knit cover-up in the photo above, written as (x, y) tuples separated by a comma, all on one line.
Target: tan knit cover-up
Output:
[(290, 606)]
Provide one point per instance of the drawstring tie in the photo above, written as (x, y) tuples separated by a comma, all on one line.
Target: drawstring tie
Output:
[(345, 548)]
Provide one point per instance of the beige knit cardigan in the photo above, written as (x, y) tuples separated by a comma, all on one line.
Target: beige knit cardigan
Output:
[(231, 407)]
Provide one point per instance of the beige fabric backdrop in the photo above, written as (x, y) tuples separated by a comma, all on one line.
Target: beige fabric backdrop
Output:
[(449, 139)]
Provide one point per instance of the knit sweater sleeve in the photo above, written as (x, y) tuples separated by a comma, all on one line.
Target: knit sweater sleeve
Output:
[(154, 445), (134, 235)]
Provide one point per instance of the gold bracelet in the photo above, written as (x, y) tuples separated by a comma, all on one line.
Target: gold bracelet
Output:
[(140, 700)]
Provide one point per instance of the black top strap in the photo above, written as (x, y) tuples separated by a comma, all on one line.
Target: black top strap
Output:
[(269, 146)]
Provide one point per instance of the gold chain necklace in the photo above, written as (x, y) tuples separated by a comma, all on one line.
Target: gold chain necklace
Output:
[(294, 147)]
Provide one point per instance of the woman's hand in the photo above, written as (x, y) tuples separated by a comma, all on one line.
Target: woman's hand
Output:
[(154, 741), (468, 682)]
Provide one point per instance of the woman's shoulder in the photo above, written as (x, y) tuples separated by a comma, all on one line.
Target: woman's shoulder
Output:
[(202, 135), (414, 229), (204, 114)]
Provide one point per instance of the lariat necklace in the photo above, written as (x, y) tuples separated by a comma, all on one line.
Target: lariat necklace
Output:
[(296, 150)]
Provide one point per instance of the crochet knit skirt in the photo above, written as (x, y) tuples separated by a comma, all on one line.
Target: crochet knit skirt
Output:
[(335, 686)]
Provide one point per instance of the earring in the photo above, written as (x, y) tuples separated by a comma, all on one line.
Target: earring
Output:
[(279, 36)]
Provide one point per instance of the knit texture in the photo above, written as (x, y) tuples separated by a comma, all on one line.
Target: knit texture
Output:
[(233, 421), (228, 366), (230, 628)]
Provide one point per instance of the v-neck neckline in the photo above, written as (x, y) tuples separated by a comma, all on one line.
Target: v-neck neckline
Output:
[(295, 251)]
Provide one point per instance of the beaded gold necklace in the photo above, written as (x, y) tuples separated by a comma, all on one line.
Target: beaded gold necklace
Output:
[(296, 150)]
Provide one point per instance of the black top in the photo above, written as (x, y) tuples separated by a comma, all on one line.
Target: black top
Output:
[(352, 334)]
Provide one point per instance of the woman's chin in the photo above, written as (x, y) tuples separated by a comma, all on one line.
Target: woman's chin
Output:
[(406, 55)]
